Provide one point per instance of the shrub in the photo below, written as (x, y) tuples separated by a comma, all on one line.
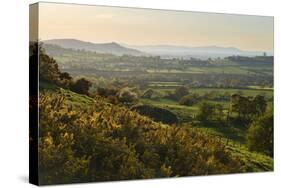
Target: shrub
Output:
[(210, 112), (152, 94), (189, 100), (126, 95), (157, 114), (179, 93), (260, 135), (81, 86)]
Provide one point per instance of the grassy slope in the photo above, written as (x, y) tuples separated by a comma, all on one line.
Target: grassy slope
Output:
[(184, 112), (234, 138), (254, 161)]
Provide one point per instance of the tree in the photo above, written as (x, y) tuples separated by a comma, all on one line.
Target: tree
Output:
[(65, 76), (210, 112), (180, 92), (106, 92), (260, 135), (189, 100), (48, 68), (81, 86), (259, 104), (246, 107), (151, 94), (206, 111), (65, 80)]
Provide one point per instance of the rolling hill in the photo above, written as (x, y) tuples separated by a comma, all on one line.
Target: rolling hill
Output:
[(165, 51), (111, 48)]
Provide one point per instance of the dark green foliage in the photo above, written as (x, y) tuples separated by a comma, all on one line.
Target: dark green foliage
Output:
[(189, 100), (49, 72), (248, 106), (114, 95), (105, 92), (179, 93), (48, 69), (259, 105), (81, 86), (157, 114), (65, 80), (210, 112), (260, 135)]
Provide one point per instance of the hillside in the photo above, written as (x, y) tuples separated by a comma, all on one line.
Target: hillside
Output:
[(111, 48), (87, 129)]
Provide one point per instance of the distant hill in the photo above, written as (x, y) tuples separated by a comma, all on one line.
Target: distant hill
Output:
[(165, 51), (112, 48), (204, 52)]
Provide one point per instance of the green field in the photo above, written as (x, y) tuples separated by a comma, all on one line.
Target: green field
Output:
[(185, 112), (246, 92), (213, 70), (268, 93)]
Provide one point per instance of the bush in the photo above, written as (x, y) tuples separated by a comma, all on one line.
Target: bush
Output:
[(152, 94), (260, 135), (126, 95), (179, 93), (157, 114), (105, 92), (210, 112), (189, 100), (81, 86)]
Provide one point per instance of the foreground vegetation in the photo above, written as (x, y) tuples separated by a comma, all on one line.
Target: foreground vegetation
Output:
[(100, 142), (103, 128)]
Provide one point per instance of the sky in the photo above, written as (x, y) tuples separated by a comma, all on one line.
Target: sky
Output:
[(133, 26)]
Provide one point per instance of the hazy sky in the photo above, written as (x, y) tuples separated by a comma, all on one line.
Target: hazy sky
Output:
[(152, 27)]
